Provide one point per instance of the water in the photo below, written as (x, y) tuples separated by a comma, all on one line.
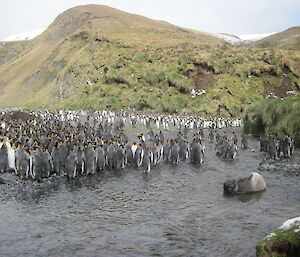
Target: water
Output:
[(174, 211)]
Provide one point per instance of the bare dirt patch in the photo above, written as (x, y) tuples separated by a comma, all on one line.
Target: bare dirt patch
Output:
[(203, 77)]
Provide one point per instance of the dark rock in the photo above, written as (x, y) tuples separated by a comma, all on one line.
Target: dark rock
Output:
[(17, 115), (3, 181)]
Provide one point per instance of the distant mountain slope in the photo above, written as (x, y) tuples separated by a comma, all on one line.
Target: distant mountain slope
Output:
[(288, 39), (131, 28), (31, 69), (98, 57)]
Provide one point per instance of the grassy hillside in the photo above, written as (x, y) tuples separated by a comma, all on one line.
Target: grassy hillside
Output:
[(288, 39), (274, 116), (99, 57)]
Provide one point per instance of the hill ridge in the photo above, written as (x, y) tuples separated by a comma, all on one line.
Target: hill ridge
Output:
[(84, 60), (287, 39)]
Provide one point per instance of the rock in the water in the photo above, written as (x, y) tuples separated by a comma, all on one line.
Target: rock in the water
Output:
[(284, 241), (280, 166), (2, 181)]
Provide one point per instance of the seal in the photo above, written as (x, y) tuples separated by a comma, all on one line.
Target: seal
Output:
[(251, 184)]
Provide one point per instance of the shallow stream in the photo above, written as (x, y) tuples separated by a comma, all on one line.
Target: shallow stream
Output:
[(173, 211)]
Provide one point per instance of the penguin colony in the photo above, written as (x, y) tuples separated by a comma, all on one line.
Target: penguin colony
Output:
[(61, 143), (276, 146)]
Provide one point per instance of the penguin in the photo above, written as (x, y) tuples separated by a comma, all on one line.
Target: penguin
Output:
[(100, 153), (3, 158), (174, 153), (234, 138), (272, 148), (11, 158), (166, 150), (183, 153), (37, 164), (110, 156), (47, 163), (244, 143), (291, 144), (225, 148), (285, 146), (154, 154), (18, 152), (160, 152), (120, 158), (232, 151), (64, 151), (219, 147), (133, 148), (142, 137), (80, 161), (23, 164), (147, 159), (57, 160), (71, 164), (128, 153), (197, 153), (264, 144), (138, 156), (186, 130), (90, 158), (161, 137), (150, 135)]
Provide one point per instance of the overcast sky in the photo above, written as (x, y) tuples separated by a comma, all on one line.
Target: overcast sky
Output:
[(228, 16)]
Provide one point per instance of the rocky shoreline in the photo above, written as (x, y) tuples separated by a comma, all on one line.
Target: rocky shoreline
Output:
[(280, 166)]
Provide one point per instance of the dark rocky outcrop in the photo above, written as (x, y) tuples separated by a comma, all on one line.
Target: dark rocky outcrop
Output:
[(16, 115)]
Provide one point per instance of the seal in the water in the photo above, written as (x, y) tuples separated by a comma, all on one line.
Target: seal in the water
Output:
[(254, 183)]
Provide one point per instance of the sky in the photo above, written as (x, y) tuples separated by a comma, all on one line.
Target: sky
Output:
[(238, 17)]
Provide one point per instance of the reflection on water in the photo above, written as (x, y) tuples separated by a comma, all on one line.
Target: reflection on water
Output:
[(173, 211), (250, 197)]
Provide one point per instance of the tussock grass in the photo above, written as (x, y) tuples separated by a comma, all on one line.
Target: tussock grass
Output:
[(274, 116)]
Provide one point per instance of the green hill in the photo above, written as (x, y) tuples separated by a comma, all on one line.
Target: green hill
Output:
[(95, 56), (288, 39)]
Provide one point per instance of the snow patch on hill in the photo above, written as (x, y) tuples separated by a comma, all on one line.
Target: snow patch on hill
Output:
[(242, 39), (254, 37), (229, 38), (25, 35)]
